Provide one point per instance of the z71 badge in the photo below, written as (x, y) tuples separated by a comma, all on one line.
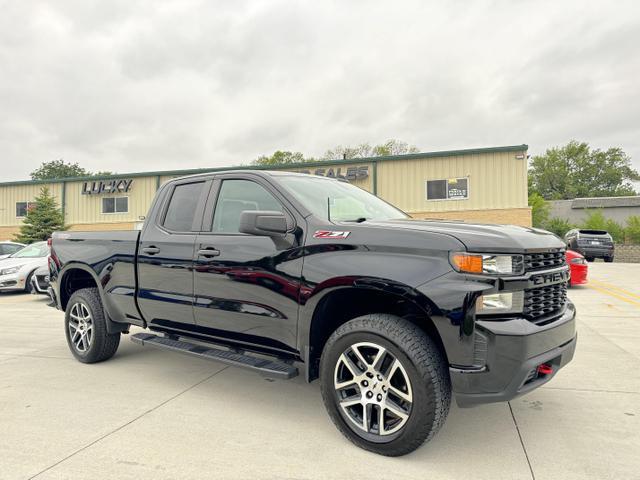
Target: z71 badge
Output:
[(331, 234)]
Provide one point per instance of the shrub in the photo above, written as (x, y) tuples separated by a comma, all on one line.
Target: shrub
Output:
[(633, 229), (597, 221), (539, 210), (559, 226)]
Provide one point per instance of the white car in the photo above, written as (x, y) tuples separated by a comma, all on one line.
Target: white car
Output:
[(17, 269), (7, 248)]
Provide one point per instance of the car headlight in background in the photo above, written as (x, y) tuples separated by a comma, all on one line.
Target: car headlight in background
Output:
[(10, 270), (492, 264), (499, 303)]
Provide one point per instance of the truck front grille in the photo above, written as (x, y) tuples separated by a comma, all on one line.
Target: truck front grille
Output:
[(544, 302), (543, 260)]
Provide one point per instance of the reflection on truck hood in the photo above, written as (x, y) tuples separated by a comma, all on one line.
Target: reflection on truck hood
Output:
[(482, 237)]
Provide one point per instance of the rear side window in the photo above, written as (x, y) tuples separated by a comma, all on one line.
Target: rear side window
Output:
[(11, 248), (182, 207), (235, 197)]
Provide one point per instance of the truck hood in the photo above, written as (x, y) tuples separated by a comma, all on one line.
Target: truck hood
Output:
[(482, 237)]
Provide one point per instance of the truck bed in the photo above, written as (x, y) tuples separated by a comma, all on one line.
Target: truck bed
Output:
[(110, 257)]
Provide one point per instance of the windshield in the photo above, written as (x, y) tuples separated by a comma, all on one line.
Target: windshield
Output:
[(338, 201), (35, 250)]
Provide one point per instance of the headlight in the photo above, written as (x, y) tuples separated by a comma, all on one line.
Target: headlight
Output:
[(498, 303), (488, 263), (579, 260), (11, 270)]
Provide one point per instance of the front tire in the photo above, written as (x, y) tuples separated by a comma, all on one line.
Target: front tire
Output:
[(385, 384), (28, 287), (86, 328)]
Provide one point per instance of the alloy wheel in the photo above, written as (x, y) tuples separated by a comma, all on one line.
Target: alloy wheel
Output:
[(80, 327), (373, 389)]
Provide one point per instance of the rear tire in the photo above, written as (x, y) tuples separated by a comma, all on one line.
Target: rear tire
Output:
[(608, 259), (86, 328), (398, 398)]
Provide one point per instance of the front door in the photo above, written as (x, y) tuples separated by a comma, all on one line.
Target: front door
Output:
[(165, 256), (246, 287)]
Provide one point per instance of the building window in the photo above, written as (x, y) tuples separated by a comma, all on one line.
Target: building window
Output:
[(451, 189), (115, 205), (22, 208)]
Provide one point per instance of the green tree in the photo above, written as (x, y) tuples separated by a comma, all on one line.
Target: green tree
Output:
[(393, 147), (597, 221), (632, 232), (42, 219), (576, 170), (559, 226), (539, 210), (390, 147), (281, 157), (61, 169)]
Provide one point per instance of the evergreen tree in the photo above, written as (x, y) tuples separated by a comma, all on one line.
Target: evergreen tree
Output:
[(42, 219)]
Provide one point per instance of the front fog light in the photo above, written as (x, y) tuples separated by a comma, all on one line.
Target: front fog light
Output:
[(498, 303)]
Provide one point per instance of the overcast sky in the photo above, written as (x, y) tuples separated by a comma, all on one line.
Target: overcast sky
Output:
[(152, 85)]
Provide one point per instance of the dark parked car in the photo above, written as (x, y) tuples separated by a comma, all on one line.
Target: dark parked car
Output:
[(591, 244), (279, 272)]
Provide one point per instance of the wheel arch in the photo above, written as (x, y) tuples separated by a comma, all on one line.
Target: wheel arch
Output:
[(340, 305), (76, 276)]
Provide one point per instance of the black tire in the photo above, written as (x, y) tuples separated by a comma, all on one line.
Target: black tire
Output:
[(101, 345), (424, 366), (608, 259), (589, 259), (28, 288)]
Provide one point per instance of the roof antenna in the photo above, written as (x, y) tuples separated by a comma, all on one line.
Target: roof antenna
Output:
[(328, 208)]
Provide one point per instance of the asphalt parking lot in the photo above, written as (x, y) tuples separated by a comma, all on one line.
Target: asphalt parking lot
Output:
[(153, 414)]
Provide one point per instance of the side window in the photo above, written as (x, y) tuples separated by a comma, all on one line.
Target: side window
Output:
[(12, 248), (235, 197), (182, 207)]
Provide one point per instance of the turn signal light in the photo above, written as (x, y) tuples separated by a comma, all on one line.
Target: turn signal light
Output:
[(465, 262)]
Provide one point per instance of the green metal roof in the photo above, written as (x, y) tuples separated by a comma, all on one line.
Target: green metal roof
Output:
[(175, 173)]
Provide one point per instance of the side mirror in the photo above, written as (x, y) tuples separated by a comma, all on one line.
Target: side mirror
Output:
[(263, 223)]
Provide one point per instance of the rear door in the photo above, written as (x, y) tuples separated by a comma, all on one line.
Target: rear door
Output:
[(246, 286), (165, 255)]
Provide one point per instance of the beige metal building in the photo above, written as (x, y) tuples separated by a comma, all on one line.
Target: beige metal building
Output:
[(487, 185)]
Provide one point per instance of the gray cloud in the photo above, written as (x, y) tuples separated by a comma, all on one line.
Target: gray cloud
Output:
[(133, 86)]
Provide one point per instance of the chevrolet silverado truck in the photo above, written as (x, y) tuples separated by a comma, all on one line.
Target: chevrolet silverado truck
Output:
[(287, 274)]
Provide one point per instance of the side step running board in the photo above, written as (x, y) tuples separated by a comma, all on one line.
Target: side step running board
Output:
[(268, 368)]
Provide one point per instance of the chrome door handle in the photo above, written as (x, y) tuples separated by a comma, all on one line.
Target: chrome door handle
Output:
[(208, 252), (151, 250)]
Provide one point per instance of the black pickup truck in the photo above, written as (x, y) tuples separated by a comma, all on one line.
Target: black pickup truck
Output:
[(285, 273)]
